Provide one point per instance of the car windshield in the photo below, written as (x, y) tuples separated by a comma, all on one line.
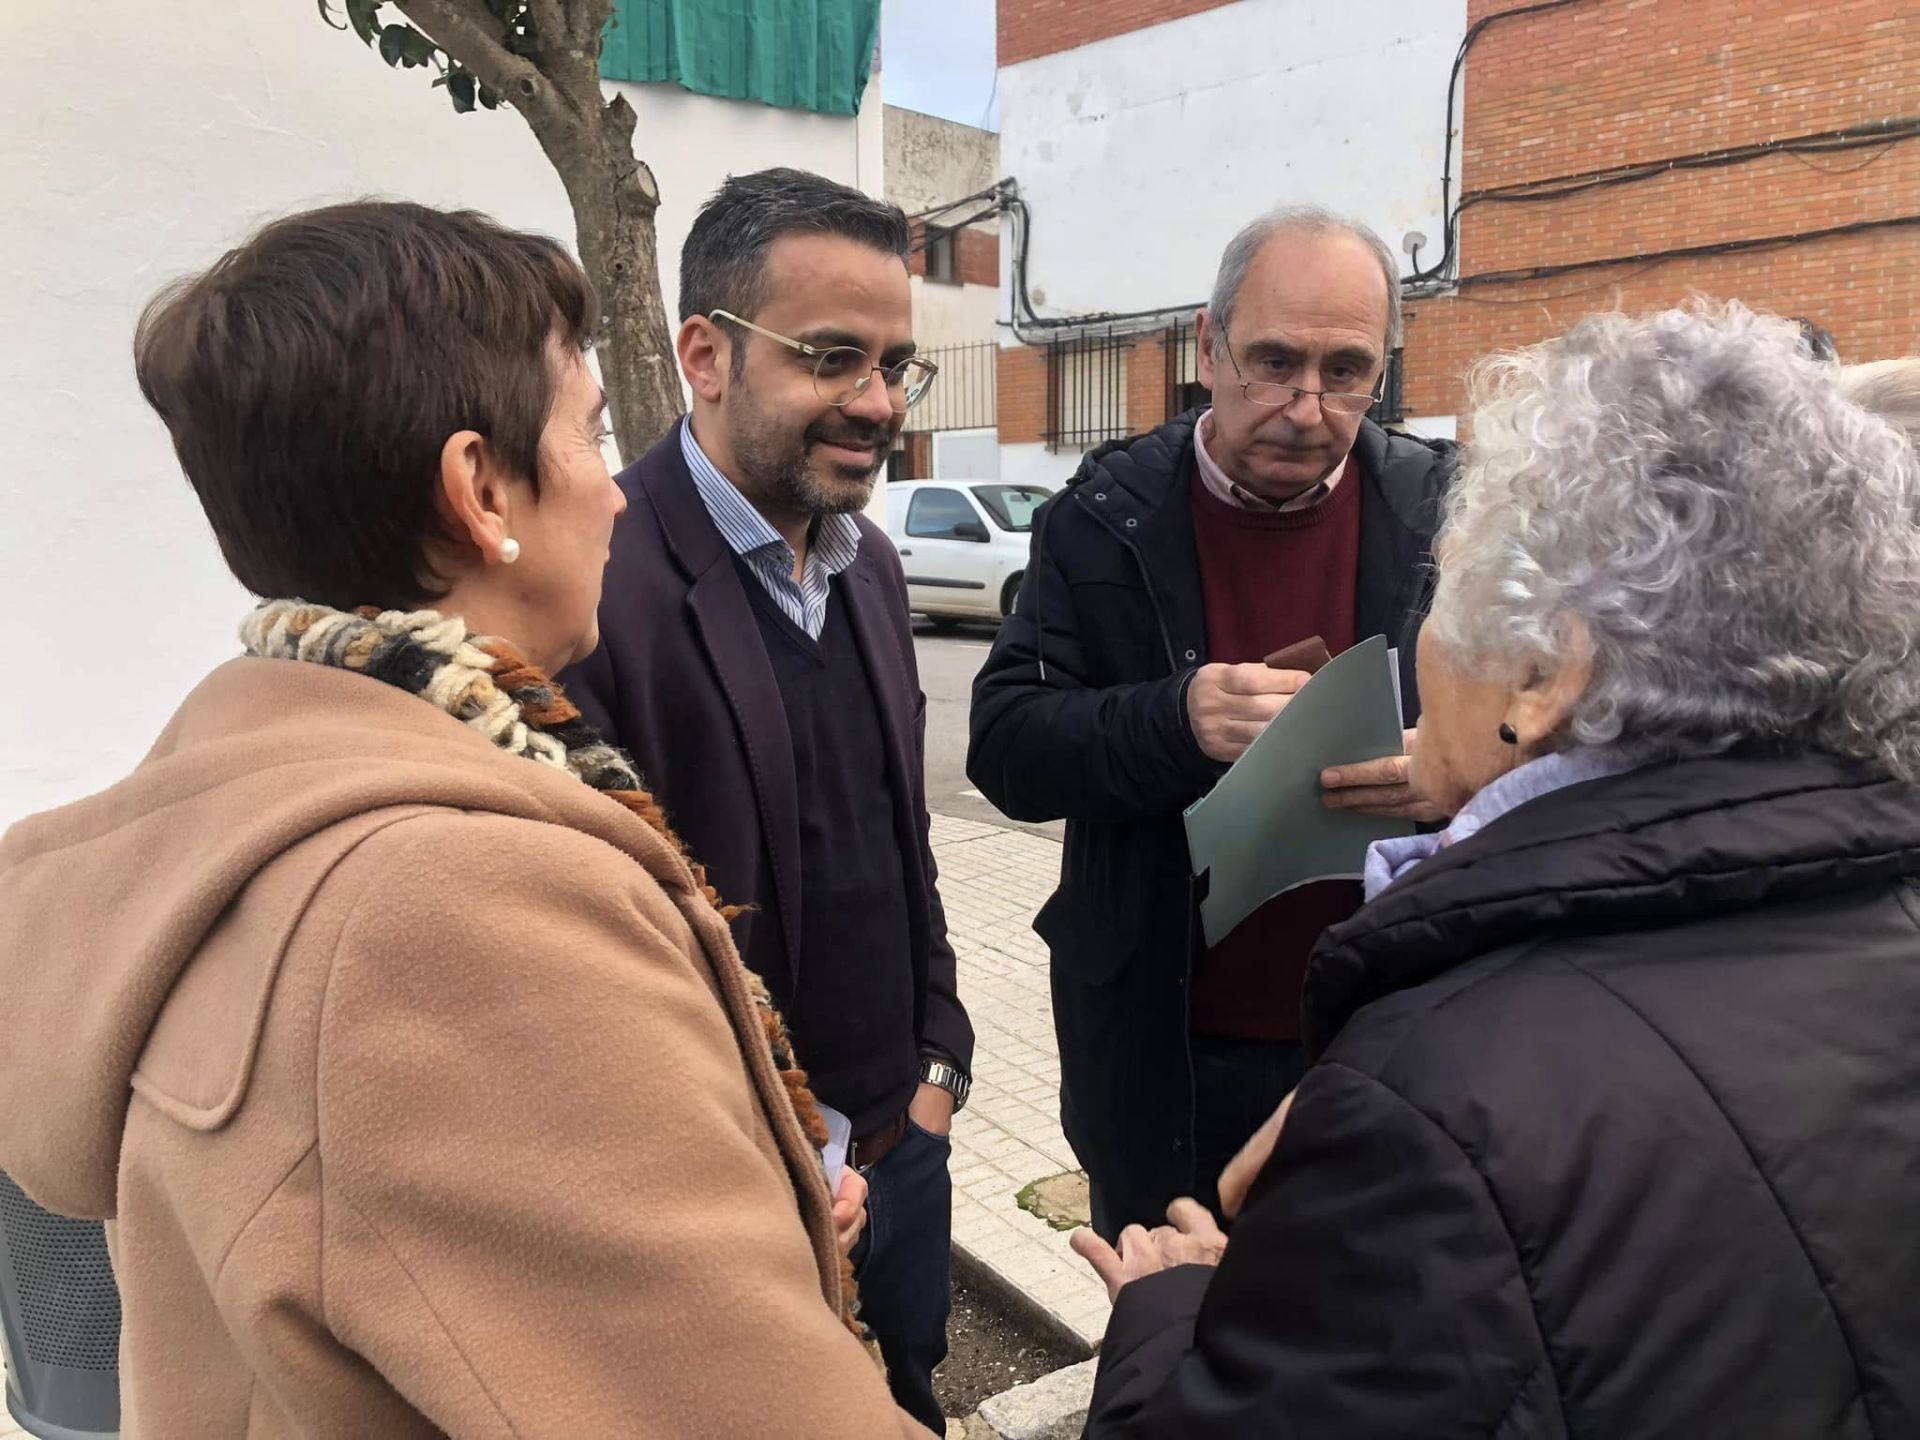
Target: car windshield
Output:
[(1012, 506)]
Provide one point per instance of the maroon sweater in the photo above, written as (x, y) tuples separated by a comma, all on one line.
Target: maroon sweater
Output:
[(1271, 578)]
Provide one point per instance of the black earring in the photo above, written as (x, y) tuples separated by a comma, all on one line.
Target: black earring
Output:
[(1507, 735)]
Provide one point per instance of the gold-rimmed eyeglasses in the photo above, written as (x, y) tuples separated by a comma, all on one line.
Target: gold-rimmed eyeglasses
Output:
[(841, 373), (1280, 395)]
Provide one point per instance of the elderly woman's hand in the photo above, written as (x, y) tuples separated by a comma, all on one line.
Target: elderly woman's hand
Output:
[(1192, 1239), (1379, 787), (849, 1209), (1245, 1167)]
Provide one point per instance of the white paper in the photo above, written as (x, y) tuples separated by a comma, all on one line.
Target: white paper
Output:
[(833, 1159)]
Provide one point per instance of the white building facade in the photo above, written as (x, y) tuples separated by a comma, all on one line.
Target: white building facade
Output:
[(137, 143), (1140, 148)]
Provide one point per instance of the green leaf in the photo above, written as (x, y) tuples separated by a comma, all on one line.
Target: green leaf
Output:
[(460, 86), (326, 14), (419, 49), (364, 15), (393, 43), (488, 98)]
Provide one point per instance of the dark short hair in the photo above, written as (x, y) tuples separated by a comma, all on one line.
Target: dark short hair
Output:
[(311, 377), (723, 265)]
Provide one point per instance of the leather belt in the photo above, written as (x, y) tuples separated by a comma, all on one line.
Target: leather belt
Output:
[(869, 1150)]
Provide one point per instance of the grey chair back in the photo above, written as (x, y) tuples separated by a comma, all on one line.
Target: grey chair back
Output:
[(60, 1320)]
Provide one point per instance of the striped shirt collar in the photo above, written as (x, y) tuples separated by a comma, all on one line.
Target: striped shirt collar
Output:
[(836, 538), (761, 548)]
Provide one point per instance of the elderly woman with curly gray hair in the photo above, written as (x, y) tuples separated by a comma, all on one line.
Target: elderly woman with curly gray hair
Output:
[(1614, 1125)]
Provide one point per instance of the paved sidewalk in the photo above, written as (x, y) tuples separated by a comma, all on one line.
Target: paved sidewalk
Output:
[(992, 881)]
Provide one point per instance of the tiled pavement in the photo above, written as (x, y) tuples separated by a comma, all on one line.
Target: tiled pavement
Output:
[(992, 881)]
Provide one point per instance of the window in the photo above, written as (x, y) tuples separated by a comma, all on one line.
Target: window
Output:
[(937, 514), (1012, 506), (1087, 390), (939, 246)]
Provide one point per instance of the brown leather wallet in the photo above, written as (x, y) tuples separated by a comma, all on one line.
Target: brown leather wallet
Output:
[(869, 1150), (1308, 655)]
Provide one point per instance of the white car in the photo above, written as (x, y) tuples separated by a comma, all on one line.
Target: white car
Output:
[(963, 544)]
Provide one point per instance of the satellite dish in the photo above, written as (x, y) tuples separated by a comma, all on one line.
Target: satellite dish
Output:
[(1412, 241)]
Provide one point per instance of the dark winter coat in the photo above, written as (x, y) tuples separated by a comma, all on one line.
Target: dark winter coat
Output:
[(1080, 713), (1614, 1130)]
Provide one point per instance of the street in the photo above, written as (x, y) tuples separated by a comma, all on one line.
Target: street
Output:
[(948, 664)]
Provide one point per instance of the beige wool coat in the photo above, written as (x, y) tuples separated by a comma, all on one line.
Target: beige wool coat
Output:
[(422, 1090)]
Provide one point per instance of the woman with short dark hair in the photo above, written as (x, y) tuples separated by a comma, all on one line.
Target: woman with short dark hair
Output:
[(379, 1010), (1614, 1122)]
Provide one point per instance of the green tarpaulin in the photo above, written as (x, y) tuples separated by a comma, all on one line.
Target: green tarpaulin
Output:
[(799, 54)]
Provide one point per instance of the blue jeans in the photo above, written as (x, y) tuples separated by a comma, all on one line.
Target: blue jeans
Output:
[(903, 1261)]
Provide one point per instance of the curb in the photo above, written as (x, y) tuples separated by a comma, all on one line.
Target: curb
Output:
[(978, 1274)]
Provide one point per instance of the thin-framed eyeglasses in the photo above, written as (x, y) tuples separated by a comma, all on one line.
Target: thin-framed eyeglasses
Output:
[(841, 373), (1280, 395)]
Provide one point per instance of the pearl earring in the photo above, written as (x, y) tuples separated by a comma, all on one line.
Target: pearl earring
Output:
[(509, 550)]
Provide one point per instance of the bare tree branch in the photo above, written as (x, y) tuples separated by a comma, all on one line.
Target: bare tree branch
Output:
[(471, 34), (550, 23)]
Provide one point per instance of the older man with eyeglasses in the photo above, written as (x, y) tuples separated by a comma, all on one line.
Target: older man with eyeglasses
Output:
[(756, 659), (1133, 672)]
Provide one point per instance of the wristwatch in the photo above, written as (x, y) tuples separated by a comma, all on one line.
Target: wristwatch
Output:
[(950, 1078)]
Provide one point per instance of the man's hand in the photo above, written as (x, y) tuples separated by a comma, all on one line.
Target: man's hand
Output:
[(1241, 1171), (849, 1209), (1378, 787), (1192, 1239), (1229, 705), (932, 1109)]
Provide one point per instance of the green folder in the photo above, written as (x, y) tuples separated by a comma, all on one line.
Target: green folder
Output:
[(1262, 829)]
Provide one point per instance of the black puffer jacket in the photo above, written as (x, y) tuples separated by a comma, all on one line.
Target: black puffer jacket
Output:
[(1080, 713), (1614, 1131)]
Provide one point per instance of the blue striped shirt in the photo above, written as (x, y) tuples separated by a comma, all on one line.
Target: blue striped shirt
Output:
[(836, 542)]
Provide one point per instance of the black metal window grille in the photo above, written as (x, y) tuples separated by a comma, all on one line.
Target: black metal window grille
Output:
[(1087, 390), (966, 392)]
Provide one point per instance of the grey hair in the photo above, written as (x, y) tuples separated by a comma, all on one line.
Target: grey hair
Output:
[(1735, 539), (1888, 388), (1237, 259)]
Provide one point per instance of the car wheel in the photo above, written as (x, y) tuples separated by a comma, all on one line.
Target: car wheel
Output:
[(944, 624), (1009, 595)]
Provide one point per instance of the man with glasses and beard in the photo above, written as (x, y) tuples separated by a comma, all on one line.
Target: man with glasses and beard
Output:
[(1133, 672), (756, 659)]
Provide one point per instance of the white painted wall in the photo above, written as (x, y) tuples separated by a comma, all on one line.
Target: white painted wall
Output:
[(1434, 427), (946, 314), (1036, 465), (136, 143), (1141, 155)]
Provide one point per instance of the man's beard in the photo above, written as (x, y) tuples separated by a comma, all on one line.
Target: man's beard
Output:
[(782, 472)]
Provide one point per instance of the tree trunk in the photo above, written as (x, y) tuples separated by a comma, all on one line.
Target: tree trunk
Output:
[(614, 198)]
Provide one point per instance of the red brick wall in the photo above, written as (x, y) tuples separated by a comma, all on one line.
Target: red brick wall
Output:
[(1024, 379), (1022, 397), (1613, 82), (1030, 28), (976, 255)]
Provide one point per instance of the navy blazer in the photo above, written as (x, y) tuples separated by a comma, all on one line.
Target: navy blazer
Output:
[(682, 682)]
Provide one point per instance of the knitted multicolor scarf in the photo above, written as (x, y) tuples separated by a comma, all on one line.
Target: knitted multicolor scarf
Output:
[(490, 687)]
